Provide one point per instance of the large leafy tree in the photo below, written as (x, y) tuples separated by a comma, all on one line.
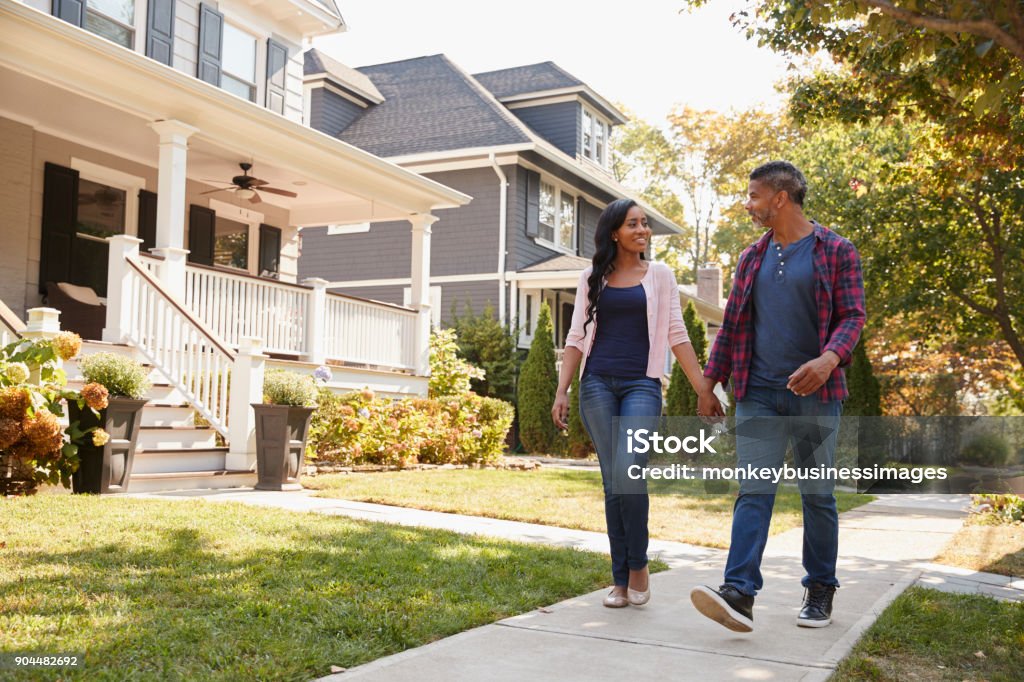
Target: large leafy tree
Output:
[(953, 72)]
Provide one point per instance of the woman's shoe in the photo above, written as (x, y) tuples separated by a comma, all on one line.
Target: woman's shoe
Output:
[(615, 600), (638, 598)]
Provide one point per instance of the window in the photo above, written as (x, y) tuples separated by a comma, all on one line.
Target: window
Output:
[(112, 19), (238, 69), (101, 210), (595, 138), (557, 221), (231, 244)]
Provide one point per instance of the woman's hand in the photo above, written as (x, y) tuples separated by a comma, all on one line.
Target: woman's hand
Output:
[(560, 410), (709, 407)]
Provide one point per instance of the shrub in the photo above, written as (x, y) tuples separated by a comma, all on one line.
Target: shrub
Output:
[(865, 392), (579, 444), (281, 387), (484, 342), (538, 383), (1000, 508), (449, 374), (986, 450), (119, 374), (681, 399)]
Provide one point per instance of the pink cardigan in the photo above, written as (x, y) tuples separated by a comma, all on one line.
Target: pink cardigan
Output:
[(665, 327)]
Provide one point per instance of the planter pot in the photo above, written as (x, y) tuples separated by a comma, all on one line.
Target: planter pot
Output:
[(107, 469), (281, 433)]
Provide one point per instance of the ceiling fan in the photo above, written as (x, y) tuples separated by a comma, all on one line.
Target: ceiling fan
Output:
[(244, 186)]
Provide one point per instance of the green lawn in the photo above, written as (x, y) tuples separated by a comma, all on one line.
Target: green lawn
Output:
[(557, 497), (197, 590), (931, 635)]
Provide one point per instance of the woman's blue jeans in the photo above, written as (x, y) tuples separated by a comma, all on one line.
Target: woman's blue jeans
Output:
[(602, 398), (811, 427)]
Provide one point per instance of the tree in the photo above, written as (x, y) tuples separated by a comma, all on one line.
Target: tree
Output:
[(953, 71), (486, 343), (449, 374), (681, 399), (580, 444), (865, 392), (538, 383)]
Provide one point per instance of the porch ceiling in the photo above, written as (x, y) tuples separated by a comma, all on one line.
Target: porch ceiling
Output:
[(70, 83)]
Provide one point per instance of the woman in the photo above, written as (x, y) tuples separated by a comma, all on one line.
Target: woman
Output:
[(627, 312)]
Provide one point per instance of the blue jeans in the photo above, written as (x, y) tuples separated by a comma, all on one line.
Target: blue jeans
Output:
[(764, 444), (602, 398)]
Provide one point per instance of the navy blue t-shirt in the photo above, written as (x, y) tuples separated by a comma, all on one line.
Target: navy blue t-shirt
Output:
[(785, 313), (621, 344)]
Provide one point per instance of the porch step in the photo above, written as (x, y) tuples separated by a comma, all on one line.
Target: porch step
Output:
[(183, 436), (168, 415), (170, 460), (191, 480)]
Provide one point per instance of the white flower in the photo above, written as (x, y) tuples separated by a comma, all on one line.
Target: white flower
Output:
[(17, 372)]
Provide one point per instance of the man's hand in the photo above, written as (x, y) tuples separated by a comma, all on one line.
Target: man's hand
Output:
[(813, 374), (560, 410), (709, 407)]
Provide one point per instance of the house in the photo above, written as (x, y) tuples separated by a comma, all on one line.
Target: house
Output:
[(155, 172), (531, 146)]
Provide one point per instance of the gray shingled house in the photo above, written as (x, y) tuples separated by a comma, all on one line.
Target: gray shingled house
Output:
[(529, 144)]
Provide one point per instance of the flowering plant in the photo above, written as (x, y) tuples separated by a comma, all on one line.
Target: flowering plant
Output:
[(34, 448)]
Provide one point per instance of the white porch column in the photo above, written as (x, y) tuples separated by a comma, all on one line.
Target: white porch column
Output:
[(246, 388), (513, 302), (170, 202), (316, 316), (43, 323), (420, 298), (119, 311)]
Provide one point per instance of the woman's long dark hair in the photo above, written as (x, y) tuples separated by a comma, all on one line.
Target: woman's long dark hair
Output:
[(611, 219)]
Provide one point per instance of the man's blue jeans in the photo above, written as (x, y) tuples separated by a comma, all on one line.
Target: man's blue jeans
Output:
[(602, 398), (762, 440)]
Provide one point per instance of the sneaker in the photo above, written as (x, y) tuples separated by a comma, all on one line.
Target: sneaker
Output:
[(817, 608), (726, 605)]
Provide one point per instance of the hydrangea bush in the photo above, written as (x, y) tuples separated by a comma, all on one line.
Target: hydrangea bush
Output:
[(34, 447)]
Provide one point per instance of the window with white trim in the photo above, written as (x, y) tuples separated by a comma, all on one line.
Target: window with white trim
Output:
[(594, 143), (238, 69), (112, 19), (557, 223)]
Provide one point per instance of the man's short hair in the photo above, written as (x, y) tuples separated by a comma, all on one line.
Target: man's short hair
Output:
[(782, 175)]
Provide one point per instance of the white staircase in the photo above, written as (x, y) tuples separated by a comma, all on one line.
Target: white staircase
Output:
[(173, 453)]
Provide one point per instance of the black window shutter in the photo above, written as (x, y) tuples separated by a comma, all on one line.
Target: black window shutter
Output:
[(211, 41), (147, 219), (532, 204), (160, 31), (277, 66), (71, 11), (270, 251), (201, 232), (60, 213)]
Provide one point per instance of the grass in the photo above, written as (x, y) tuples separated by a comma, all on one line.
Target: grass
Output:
[(557, 497), (931, 635), (986, 547), (196, 590)]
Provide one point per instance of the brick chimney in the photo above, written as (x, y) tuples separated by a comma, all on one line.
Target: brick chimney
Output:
[(709, 284)]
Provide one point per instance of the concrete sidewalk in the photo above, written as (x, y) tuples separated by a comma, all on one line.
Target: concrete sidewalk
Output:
[(884, 546)]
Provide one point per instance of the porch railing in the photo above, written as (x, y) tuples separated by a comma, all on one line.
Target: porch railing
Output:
[(369, 333), (237, 306), (181, 347), (11, 327)]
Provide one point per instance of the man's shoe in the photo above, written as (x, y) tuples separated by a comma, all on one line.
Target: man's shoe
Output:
[(726, 605), (817, 609)]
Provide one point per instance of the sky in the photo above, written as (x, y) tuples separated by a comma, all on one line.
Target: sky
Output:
[(643, 54)]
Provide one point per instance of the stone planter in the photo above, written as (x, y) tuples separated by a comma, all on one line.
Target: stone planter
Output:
[(281, 432), (107, 469)]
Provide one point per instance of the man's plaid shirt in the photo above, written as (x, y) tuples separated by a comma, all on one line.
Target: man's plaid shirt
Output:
[(839, 290)]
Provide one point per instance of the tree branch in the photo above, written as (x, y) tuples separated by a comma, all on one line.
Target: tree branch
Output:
[(981, 27)]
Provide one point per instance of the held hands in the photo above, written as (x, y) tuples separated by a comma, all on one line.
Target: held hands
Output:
[(560, 410), (709, 407), (813, 374)]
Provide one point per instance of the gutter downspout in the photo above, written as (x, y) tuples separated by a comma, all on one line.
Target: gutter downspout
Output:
[(502, 234)]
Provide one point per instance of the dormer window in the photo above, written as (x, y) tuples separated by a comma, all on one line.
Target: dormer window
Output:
[(239, 65), (594, 143)]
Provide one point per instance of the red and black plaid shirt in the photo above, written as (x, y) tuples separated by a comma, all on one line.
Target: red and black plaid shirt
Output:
[(839, 290)]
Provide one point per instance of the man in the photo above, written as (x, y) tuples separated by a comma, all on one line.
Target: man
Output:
[(792, 320)]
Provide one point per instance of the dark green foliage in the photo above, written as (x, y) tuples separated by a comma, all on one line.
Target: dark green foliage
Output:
[(486, 343), (865, 393), (580, 444), (537, 385), (681, 399)]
